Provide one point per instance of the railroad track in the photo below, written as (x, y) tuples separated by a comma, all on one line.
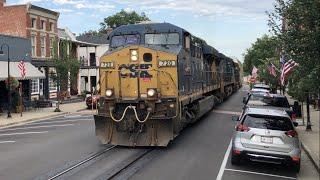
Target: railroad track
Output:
[(112, 173), (81, 163)]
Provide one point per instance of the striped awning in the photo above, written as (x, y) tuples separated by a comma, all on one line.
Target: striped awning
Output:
[(31, 71)]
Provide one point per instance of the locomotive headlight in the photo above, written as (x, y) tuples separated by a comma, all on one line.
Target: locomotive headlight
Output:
[(109, 92), (134, 55), (151, 92)]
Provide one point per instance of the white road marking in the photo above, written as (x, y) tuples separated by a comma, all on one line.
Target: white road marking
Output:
[(34, 127), (23, 133), (62, 121), (224, 162), (3, 142), (72, 116), (264, 174), (227, 112)]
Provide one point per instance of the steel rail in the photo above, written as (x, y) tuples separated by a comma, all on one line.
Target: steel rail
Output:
[(82, 162), (122, 169)]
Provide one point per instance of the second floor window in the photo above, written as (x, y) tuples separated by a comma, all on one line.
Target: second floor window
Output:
[(43, 25), (92, 59), (51, 47), (51, 27), (33, 45), (33, 22), (43, 46)]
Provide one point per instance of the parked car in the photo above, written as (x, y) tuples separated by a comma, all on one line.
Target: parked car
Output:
[(271, 101), (262, 86), (92, 101), (257, 90), (268, 136)]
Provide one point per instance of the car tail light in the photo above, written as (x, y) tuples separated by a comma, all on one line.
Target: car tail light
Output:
[(242, 128), (296, 159), (293, 116), (236, 152), (291, 133)]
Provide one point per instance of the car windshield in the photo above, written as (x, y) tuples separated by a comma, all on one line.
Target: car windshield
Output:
[(162, 39), (268, 122), (117, 41)]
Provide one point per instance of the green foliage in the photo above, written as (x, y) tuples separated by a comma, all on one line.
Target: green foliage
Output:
[(91, 33), (65, 64), (299, 37), (122, 18), (260, 54), (264, 48)]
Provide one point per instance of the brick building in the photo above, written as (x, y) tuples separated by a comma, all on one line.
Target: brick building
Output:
[(40, 26)]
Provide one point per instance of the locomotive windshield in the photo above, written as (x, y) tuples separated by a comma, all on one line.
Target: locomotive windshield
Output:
[(117, 41), (162, 39)]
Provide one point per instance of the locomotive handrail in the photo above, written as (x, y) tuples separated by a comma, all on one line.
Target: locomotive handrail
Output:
[(124, 113)]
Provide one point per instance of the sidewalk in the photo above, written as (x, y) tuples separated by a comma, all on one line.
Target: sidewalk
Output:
[(310, 139), (42, 113)]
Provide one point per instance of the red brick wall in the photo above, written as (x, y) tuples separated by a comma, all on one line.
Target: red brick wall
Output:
[(13, 20)]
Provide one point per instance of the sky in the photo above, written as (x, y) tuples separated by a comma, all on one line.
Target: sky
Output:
[(231, 26)]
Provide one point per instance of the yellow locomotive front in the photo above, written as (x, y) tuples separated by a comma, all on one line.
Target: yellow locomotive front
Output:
[(139, 90)]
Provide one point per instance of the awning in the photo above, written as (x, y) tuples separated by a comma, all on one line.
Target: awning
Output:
[(31, 71)]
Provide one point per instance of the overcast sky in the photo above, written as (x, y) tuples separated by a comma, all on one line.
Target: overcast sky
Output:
[(231, 26)]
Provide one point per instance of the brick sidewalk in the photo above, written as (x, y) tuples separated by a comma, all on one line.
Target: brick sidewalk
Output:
[(42, 113), (310, 139)]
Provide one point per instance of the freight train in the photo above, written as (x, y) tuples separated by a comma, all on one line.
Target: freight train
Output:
[(155, 79)]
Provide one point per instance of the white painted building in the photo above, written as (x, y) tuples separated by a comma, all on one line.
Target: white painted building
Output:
[(89, 56)]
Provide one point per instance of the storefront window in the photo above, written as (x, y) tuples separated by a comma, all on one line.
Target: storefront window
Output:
[(52, 85), (35, 86)]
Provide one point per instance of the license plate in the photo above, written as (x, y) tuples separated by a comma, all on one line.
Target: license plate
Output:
[(266, 139)]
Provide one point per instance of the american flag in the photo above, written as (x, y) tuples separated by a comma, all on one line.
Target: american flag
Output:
[(272, 69), (22, 68), (286, 68)]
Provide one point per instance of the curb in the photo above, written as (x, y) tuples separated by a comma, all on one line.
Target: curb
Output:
[(305, 148), (33, 120)]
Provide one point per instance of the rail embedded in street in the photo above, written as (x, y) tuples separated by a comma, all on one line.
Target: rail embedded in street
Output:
[(82, 162)]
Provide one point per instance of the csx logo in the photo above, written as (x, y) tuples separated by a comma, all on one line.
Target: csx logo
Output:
[(132, 70)]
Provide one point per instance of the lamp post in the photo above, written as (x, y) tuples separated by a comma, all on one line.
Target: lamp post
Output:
[(308, 128), (9, 83)]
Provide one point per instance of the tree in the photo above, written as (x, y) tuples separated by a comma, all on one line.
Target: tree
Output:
[(260, 54), (296, 23), (122, 18), (67, 68)]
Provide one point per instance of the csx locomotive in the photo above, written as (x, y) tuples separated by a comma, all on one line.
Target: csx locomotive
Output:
[(155, 79)]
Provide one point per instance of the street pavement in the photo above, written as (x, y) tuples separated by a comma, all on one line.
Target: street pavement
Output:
[(39, 150)]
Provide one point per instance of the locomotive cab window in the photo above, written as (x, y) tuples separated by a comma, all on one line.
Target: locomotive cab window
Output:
[(117, 41), (162, 39)]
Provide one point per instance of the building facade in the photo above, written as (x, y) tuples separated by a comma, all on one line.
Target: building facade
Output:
[(40, 26), (19, 50), (88, 79)]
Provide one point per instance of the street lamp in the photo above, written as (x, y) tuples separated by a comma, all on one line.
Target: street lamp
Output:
[(9, 83)]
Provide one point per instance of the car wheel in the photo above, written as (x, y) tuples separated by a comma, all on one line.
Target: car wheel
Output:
[(296, 168), (235, 160)]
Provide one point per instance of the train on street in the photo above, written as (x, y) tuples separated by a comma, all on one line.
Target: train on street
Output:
[(155, 79)]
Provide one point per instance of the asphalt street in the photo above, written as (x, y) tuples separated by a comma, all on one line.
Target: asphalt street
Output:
[(41, 149)]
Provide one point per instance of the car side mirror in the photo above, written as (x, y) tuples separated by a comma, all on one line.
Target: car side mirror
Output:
[(235, 118), (244, 100), (296, 124)]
